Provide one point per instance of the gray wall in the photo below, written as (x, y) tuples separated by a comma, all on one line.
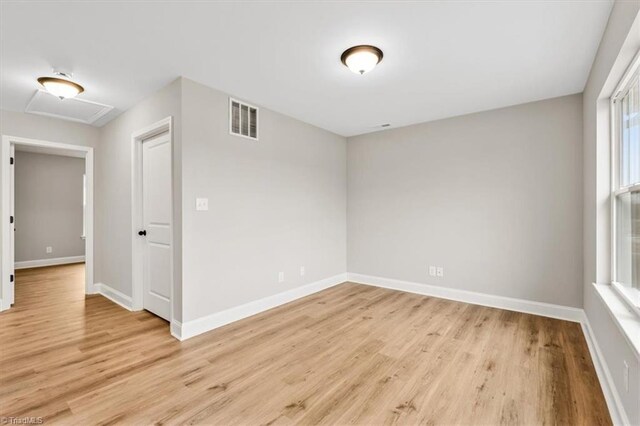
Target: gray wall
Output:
[(620, 42), (50, 129), (492, 197), (113, 184), (48, 206), (274, 205)]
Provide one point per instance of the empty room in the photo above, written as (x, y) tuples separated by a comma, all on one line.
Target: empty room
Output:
[(320, 212)]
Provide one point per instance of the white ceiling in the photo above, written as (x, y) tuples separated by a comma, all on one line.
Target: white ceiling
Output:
[(441, 59)]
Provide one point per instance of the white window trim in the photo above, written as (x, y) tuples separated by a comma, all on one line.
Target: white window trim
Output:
[(630, 297), (231, 101)]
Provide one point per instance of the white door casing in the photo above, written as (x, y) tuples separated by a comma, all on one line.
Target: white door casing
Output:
[(156, 220), (12, 227)]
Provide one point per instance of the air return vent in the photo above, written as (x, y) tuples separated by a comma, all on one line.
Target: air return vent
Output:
[(74, 109), (243, 119)]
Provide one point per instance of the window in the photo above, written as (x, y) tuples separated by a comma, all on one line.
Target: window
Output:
[(626, 186), (243, 119)]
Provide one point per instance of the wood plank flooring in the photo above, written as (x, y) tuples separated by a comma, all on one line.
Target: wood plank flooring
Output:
[(352, 354)]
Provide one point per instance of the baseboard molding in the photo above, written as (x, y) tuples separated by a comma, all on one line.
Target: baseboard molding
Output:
[(48, 262), (186, 330), (114, 295), (614, 403), (511, 304)]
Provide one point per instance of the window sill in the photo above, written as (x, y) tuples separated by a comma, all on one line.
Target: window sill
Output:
[(627, 320), (630, 296)]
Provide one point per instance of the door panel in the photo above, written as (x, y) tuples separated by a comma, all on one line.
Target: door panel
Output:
[(160, 283), (156, 204)]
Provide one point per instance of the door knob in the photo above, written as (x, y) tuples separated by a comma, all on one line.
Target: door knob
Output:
[(142, 233)]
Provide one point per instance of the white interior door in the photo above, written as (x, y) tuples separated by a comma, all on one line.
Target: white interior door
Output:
[(12, 228), (157, 213)]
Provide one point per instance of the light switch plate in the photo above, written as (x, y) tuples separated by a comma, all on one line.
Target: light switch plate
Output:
[(202, 204)]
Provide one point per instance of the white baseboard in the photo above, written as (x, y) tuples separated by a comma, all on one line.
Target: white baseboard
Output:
[(48, 262), (198, 326), (114, 295), (614, 403), (511, 304)]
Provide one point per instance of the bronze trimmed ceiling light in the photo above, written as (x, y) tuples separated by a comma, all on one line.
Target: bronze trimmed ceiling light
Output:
[(361, 59), (61, 87)]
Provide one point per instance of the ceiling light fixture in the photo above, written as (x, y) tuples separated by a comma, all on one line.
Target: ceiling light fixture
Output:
[(61, 87), (361, 59)]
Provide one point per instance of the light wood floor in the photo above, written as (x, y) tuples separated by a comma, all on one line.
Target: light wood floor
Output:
[(352, 354)]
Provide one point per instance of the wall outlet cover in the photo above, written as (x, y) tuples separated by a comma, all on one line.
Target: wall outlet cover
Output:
[(202, 204), (432, 271), (440, 271), (49, 249), (281, 277), (302, 271)]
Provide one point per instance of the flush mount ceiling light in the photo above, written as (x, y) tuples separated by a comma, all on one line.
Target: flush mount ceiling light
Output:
[(361, 59), (61, 87)]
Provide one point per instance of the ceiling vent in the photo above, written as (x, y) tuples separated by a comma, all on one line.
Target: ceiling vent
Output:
[(243, 119), (74, 109)]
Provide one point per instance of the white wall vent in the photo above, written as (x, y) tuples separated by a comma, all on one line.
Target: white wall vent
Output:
[(74, 109), (243, 119)]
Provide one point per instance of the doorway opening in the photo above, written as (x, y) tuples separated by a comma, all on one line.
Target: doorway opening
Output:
[(47, 213)]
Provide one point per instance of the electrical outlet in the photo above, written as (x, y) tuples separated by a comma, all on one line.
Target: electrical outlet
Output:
[(202, 204), (281, 277), (302, 271), (625, 375), (432, 271), (49, 249), (440, 271)]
